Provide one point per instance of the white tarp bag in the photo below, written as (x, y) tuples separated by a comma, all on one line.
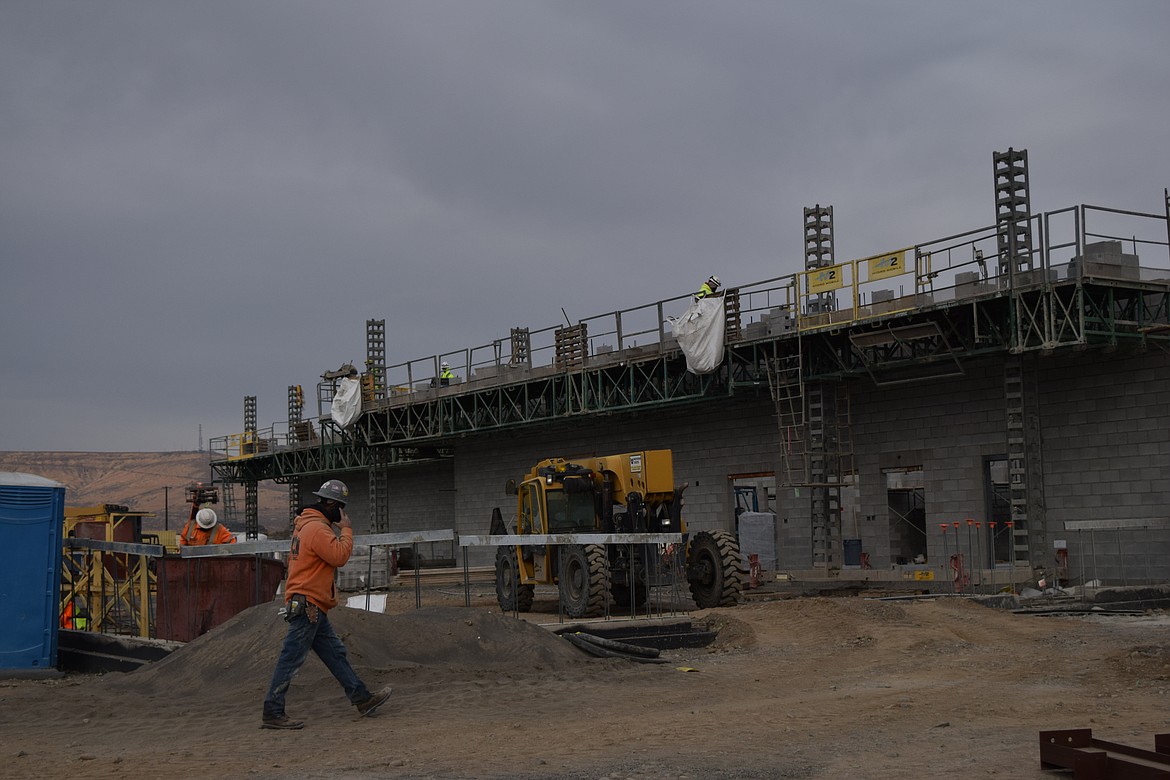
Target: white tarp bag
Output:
[(347, 402), (700, 333)]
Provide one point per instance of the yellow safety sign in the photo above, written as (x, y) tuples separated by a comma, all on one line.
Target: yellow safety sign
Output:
[(889, 264), (823, 279)]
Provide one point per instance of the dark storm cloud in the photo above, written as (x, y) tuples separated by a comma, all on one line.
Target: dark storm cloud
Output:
[(202, 201)]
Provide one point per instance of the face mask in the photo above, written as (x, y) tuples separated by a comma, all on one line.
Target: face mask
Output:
[(331, 511)]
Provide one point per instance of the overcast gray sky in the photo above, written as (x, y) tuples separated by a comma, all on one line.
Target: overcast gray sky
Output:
[(205, 200)]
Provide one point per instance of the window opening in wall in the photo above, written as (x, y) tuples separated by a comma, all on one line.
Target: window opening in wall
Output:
[(999, 509), (906, 502), (752, 493), (756, 533)]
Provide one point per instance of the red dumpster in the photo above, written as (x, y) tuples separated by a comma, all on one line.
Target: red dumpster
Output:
[(197, 594)]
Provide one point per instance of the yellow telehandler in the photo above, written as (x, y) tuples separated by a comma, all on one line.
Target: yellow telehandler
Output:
[(616, 494)]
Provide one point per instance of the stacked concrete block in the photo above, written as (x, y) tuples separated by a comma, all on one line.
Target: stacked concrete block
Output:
[(779, 321), (1105, 259), (971, 283), (366, 568)]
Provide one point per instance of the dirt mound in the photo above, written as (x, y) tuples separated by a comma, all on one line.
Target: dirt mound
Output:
[(242, 652)]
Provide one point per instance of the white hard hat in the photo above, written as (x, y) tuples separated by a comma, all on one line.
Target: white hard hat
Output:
[(446, 364), (714, 281), (205, 518)]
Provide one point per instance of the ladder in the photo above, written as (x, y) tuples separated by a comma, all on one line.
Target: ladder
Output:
[(1025, 471), (786, 382), (816, 448), (731, 314), (379, 491)]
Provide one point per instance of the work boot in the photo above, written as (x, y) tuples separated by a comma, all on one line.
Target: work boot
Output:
[(281, 722), (370, 705)]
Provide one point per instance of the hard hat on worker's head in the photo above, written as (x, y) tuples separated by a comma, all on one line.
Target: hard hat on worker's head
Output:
[(446, 364), (205, 518), (713, 281), (334, 490)]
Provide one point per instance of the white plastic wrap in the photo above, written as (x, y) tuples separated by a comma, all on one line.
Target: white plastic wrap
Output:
[(700, 332), (347, 402)]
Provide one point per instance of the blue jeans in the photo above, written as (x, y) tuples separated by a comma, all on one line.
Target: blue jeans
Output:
[(319, 637)]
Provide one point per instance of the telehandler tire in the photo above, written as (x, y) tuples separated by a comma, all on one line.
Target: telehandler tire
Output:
[(511, 595), (583, 580), (715, 569)]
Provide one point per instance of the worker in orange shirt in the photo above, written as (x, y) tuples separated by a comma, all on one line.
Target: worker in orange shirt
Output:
[(322, 541), (205, 529)]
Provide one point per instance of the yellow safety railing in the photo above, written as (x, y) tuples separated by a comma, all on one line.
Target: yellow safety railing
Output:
[(847, 292)]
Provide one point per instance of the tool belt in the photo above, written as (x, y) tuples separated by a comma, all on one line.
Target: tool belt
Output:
[(299, 605)]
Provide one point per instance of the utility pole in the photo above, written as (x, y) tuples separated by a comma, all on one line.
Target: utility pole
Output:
[(166, 507)]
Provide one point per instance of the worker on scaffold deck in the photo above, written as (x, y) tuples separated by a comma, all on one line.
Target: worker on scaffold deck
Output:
[(710, 287)]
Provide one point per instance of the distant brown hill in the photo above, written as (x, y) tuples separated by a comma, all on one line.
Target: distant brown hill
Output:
[(143, 482)]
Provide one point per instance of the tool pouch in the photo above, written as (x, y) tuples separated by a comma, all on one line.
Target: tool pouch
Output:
[(296, 607), (313, 611)]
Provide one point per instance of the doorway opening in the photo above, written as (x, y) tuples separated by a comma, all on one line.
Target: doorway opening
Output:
[(999, 509), (906, 503)]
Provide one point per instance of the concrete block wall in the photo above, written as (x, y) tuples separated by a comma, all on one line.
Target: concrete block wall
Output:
[(946, 427), (1106, 429), (1105, 425), (421, 497)]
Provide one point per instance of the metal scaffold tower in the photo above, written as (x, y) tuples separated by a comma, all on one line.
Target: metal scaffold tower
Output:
[(814, 418), (1013, 219), (375, 379), (251, 494), (521, 348), (819, 251), (1013, 212), (299, 431), (379, 457)]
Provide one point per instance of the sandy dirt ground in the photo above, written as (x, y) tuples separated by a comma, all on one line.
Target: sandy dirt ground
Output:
[(792, 688)]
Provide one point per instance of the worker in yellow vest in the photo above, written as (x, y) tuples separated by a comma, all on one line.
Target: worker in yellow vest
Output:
[(76, 620), (710, 287)]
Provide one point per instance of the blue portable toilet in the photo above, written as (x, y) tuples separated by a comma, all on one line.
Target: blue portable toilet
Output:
[(32, 514)]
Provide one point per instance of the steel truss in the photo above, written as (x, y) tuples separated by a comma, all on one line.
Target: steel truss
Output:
[(620, 387)]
